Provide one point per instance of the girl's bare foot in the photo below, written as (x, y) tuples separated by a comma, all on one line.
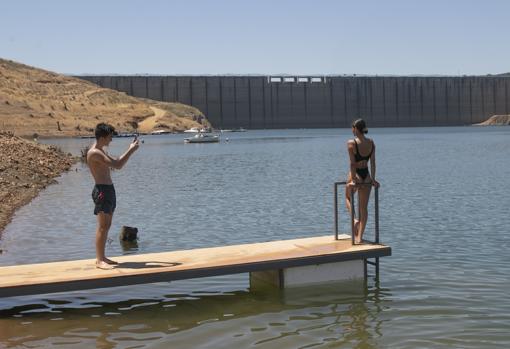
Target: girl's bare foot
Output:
[(103, 265)]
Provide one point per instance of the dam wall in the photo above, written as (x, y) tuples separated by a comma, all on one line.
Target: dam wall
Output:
[(259, 102)]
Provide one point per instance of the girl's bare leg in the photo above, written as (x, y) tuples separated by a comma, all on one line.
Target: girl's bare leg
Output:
[(364, 196), (348, 189)]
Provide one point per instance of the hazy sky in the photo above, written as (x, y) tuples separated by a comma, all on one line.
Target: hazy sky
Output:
[(447, 37)]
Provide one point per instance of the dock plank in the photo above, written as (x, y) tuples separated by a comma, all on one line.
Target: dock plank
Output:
[(64, 276)]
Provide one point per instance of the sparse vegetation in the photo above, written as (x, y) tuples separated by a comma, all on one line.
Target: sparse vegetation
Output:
[(133, 124), (78, 105)]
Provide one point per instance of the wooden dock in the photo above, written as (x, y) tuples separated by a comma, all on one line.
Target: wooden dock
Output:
[(31, 279)]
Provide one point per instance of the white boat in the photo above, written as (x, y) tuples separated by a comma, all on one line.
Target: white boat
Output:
[(197, 130), (160, 132), (192, 130), (202, 138)]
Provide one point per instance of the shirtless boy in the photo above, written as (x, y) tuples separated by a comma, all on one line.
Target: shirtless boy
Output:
[(103, 193)]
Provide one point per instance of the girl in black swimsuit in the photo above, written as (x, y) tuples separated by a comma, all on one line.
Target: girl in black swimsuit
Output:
[(359, 174)]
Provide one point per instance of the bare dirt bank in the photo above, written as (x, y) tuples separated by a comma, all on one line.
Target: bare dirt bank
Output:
[(496, 120), (33, 100), (25, 168)]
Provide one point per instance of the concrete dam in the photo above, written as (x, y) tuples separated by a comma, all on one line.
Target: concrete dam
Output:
[(264, 102)]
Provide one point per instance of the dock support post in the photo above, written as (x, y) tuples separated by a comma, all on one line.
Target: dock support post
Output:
[(375, 264), (376, 205), (377, 268), (336, 210), (353, 216)]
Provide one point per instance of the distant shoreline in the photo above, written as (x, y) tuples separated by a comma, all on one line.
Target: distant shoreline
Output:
[(490, 122)]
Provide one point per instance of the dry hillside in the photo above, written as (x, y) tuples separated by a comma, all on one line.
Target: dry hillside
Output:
[(37, 101), (496, 120)]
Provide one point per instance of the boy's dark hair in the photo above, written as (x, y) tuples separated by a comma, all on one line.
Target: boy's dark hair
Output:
[(104, 130)]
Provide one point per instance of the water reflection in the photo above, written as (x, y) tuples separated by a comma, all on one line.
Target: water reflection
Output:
[(129, 247), (340, 313)]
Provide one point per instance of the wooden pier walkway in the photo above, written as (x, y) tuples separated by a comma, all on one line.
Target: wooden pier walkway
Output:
[(31, 279)]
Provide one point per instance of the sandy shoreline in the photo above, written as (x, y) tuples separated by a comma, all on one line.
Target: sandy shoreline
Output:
[(26, 168)]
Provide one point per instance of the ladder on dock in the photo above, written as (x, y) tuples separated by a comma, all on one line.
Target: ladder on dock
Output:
[(376, 241)]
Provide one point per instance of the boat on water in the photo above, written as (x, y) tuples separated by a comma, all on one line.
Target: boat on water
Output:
[(192, 130), (197, 130), (240, 129), (203, 138), (160, 132)]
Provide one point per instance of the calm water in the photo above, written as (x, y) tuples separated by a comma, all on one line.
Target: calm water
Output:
[(444, 210)]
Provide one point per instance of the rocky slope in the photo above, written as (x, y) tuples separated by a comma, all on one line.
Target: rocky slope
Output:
[(25, 168)]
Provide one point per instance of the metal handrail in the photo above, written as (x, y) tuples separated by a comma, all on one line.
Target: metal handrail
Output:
[(376, 216)]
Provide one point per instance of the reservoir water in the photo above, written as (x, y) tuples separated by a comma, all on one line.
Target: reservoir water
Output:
[(444, 204)]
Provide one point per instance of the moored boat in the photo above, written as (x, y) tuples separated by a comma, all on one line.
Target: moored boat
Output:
[(192, 130), (202, 138), (198, 130), (160, 132)]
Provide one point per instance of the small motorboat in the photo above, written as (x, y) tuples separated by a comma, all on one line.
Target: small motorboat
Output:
[(202, 138), (160, 132), (198, 130), (192, 130)]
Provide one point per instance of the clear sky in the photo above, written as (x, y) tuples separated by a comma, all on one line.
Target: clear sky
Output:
[(401, 37)]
